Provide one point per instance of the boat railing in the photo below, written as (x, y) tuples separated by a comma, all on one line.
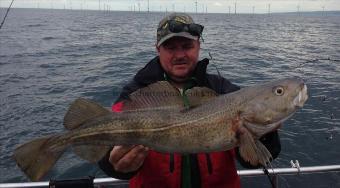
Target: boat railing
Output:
[(295, 169)]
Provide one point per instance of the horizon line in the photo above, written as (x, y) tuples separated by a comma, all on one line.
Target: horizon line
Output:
[(190, 12)]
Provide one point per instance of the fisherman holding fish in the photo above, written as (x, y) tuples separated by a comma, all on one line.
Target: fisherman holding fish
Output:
[(174, 125), (178, 47)]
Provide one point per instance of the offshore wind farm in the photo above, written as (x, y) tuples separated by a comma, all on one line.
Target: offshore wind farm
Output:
[(190, 6)]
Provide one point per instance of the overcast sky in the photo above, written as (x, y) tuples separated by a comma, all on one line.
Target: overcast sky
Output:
[(221, 6)]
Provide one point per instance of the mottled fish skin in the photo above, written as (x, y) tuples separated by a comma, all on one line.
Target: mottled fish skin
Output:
[(218, 124), (210, 127)]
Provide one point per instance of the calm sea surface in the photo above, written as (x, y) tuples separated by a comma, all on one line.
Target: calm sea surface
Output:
[(48, 58)]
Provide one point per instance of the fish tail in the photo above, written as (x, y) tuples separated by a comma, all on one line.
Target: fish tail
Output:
[(36, 157)]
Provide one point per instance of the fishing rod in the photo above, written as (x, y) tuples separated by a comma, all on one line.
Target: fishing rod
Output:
[(300, 65), (3, 21)]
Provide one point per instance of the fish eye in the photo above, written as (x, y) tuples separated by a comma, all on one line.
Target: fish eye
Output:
[(279, 90)]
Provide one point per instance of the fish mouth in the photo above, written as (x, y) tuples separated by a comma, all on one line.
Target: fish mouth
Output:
[(301, 98)]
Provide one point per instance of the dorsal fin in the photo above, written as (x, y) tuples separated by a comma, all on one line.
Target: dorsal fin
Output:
[(200, 95), (157, 95), (82, 110)]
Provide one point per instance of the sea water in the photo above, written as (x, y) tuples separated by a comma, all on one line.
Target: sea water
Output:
[(48, 58)]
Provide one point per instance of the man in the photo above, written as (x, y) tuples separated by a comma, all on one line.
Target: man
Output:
[(178, 49)]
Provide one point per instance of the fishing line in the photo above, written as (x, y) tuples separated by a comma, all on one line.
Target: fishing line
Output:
[(300, 65), (218, 72), (322, 98), (3, 21), (220, 80), (211, 59), (265, 170)]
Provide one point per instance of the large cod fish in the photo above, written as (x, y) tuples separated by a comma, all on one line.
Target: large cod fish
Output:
[(155, 117)]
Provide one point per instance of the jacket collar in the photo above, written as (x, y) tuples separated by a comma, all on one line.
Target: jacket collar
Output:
[(153, 72)]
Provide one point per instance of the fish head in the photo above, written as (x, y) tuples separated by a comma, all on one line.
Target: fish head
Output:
[(272, 103)]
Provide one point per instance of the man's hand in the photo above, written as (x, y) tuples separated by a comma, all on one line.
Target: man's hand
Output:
[(128, 158)]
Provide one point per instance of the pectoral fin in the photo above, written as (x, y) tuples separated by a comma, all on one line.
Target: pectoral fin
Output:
[(252, 150)]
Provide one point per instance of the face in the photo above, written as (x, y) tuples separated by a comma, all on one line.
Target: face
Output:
[(178, 57)]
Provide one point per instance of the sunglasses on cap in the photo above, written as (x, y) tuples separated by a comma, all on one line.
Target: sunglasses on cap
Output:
[(177, 27)]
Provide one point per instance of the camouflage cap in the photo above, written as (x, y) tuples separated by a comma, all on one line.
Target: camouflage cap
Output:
[(163, 32)]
